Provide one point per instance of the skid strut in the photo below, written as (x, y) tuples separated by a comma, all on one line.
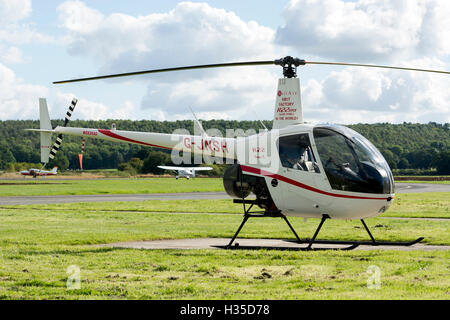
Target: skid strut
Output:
[(247, 215)]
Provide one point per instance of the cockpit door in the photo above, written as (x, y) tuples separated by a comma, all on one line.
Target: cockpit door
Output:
[(301, 171)]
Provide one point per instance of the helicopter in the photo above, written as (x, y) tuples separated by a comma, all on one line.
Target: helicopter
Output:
[(296, 169)]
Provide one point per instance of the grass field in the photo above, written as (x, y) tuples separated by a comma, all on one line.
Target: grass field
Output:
[(426, 181), (44, 246), (42, 187), (34, 187)]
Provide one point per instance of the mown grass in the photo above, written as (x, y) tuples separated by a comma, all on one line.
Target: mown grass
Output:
[(105, 273), (412, 205), (420, 205), (426, 181), (42, 187), (39, 243)]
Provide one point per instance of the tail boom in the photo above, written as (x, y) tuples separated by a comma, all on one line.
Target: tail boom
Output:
[(215, 146)]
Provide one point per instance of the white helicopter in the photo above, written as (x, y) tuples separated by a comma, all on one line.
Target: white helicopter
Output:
[(185, 172), (295, 169)]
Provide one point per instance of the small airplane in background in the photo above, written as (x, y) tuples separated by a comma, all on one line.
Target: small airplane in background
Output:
[(187, 172), (39, 173)]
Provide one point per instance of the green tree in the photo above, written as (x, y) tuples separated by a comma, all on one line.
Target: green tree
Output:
[(155, 159), (6, 156), (442, 162), (59, 161)]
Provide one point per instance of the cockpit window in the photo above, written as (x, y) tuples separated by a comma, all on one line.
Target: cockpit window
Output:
[(352, 163), (296, 153)]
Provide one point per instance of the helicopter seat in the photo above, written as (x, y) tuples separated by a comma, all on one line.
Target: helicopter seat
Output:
[(305, 162), (309, 165)]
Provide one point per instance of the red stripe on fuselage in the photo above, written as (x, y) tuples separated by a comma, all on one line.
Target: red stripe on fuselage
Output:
[(116, 136), (301, 185)]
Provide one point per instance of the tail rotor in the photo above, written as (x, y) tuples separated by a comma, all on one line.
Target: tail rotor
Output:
[(58, 141)]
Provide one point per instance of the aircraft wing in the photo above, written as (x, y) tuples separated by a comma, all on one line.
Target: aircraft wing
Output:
[(172, 168), (200, 168), (185, 168)]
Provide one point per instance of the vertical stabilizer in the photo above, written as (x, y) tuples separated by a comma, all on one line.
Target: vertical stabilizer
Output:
[(288, 106), (45, 124)]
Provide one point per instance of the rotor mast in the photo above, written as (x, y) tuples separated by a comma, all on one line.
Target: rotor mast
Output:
[(288, 106)]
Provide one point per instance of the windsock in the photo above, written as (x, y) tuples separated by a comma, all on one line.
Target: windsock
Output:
[(80, 155)]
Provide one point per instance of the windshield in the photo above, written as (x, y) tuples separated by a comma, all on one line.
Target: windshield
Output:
[(351, 162)]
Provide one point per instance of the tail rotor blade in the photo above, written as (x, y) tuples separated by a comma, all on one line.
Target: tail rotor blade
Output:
[(70, 111), (56, 146), (58, 141)]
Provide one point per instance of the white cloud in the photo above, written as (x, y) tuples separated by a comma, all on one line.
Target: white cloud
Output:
[(18, 100), (361, 95), (78, 18), (366, 30), (12, 11), (11, 55), (404, 33), (191, 33), (86, 109), (233, 91), (14, 31), (388, 32)]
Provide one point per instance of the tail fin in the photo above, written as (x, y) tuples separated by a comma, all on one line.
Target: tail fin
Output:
[(45, 124), (55, 169)]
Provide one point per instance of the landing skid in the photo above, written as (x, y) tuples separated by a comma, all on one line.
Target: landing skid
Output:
[(363, 243), (367, 243), (310, 242), (243, 247), (360, 243)]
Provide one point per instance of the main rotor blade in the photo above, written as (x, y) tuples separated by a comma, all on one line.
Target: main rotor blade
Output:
[(218, 65), (287, 62), (374, 66)]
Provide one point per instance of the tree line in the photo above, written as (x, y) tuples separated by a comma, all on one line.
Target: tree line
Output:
[(407, 146)]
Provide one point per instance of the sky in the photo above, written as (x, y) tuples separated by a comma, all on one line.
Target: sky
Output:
[(46, 41)]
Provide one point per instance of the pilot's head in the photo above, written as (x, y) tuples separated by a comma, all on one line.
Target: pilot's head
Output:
[(303, 140)]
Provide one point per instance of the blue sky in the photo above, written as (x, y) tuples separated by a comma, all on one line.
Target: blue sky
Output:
[(45, 41)]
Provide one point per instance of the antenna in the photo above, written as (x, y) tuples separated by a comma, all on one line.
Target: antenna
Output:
[(260, 121), (197, 123)]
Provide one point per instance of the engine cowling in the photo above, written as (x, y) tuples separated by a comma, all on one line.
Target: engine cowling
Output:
[(240, 186), (235, 182)]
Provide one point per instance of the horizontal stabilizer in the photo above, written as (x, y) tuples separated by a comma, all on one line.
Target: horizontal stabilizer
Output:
[(41, 130)]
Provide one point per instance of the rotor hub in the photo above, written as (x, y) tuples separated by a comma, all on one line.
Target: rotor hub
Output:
[(290, 65)]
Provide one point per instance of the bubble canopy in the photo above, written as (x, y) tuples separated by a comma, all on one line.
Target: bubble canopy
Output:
[(351, 162)]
